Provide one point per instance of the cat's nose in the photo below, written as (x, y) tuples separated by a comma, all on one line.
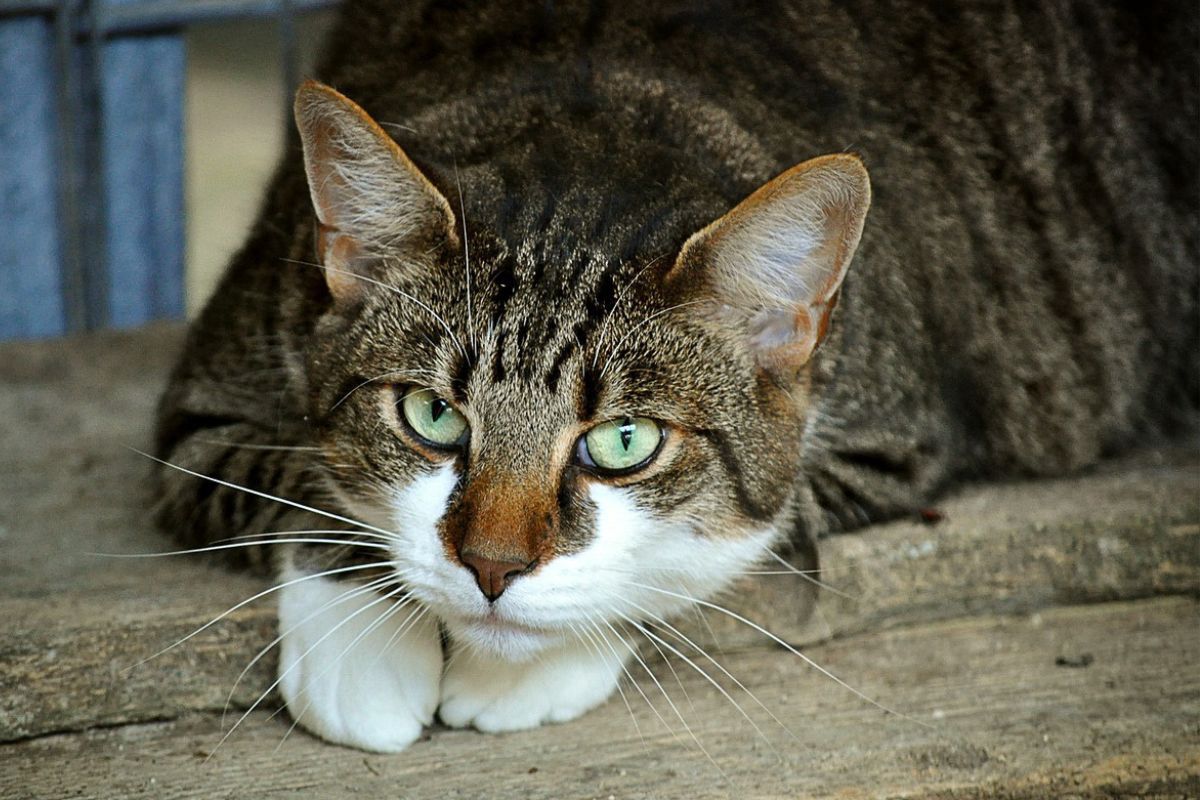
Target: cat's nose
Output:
[(493, 576)]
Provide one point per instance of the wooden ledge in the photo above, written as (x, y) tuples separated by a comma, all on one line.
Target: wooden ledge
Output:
[(956, 622)]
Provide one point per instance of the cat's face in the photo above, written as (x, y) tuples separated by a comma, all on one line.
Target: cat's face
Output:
[(557, 446)]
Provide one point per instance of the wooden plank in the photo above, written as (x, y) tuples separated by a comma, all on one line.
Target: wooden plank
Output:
[(1129, 528), (30, 280), (70, 488), (990, 714)]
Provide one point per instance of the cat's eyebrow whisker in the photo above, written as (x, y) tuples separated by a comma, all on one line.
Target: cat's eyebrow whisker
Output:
[(354, 591), (617, 347), (394, 290), (612, 311), (264, 495), (288, 671), (346, 396), (462, 211), (251, 599), (786, 646), (397, 126)]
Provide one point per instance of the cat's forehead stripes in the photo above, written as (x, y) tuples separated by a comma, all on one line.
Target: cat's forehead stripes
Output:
[(544, 333)]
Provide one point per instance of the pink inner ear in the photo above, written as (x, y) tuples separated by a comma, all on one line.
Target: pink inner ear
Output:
[(338, 254), (360, 181), (777, 260)]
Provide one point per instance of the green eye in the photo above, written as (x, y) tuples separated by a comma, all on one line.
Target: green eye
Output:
[(621, 445), (433, 418)]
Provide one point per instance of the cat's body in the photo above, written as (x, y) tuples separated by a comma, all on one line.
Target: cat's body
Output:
[(1024, 298)]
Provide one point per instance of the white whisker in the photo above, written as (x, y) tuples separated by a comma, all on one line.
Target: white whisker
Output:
[(663, 624), (631, 331), (591, 623), (595, 648), (805, 574), (354, 591), (612, 311), (671, 703), (785, 645), (249, 600), (288, 671), (334, 532), (384, 616), (264, 495), (235, 545), (462, 210), (394, 290)]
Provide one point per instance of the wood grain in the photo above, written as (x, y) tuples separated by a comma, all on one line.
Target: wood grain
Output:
[(989, 714), (957, 624)]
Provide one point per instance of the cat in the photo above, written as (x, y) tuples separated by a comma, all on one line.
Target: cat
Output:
[(548, 325)]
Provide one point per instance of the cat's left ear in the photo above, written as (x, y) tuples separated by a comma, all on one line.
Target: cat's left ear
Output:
[(774, 264), (370, 199)]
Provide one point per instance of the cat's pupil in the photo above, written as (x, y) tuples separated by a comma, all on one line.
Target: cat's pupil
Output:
[(627, 428), (437, 408)]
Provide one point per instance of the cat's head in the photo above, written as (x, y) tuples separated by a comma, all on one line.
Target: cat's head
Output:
[(561, 434)]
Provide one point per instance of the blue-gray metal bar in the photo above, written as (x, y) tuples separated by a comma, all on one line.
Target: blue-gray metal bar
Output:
[(141, 84), (19, 8), (30, 282), (141, 16), (95, 176), (91, 156), (70, 221)]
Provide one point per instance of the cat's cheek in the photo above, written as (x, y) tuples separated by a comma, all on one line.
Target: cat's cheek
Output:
[(417, 548), (643, 565), (355, 668)]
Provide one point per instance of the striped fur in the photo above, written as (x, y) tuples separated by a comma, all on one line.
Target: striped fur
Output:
[(1024, 299)]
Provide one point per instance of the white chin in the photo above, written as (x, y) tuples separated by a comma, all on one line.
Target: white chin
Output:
[(508, 641)]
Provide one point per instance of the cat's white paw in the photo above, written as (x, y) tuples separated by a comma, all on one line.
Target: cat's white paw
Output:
[(350, 678), (493, 695)]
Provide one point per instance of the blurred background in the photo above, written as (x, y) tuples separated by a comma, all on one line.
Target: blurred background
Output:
[(234, 127), (133, 162)]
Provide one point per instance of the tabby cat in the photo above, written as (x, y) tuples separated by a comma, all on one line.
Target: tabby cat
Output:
[(536, 335)]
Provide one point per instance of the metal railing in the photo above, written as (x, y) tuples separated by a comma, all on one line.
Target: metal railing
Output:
[(91, 226)]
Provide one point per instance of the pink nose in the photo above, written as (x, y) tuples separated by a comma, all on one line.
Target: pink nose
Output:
[(493, 577)]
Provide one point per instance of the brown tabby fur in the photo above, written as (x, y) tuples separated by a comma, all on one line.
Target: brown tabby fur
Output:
[(1024, 300)]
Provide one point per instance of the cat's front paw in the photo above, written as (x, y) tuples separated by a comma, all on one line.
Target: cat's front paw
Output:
[(494, 695), (351, 676)]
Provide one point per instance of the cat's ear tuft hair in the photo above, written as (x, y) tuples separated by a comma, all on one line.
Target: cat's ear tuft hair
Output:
[(775, 263), (369, 197)]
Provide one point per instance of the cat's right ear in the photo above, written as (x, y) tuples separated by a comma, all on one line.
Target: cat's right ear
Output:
[(369, 197), (773, 266)]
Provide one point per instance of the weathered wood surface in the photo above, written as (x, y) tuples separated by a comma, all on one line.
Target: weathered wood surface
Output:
[(990, 715), (72, 622)]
